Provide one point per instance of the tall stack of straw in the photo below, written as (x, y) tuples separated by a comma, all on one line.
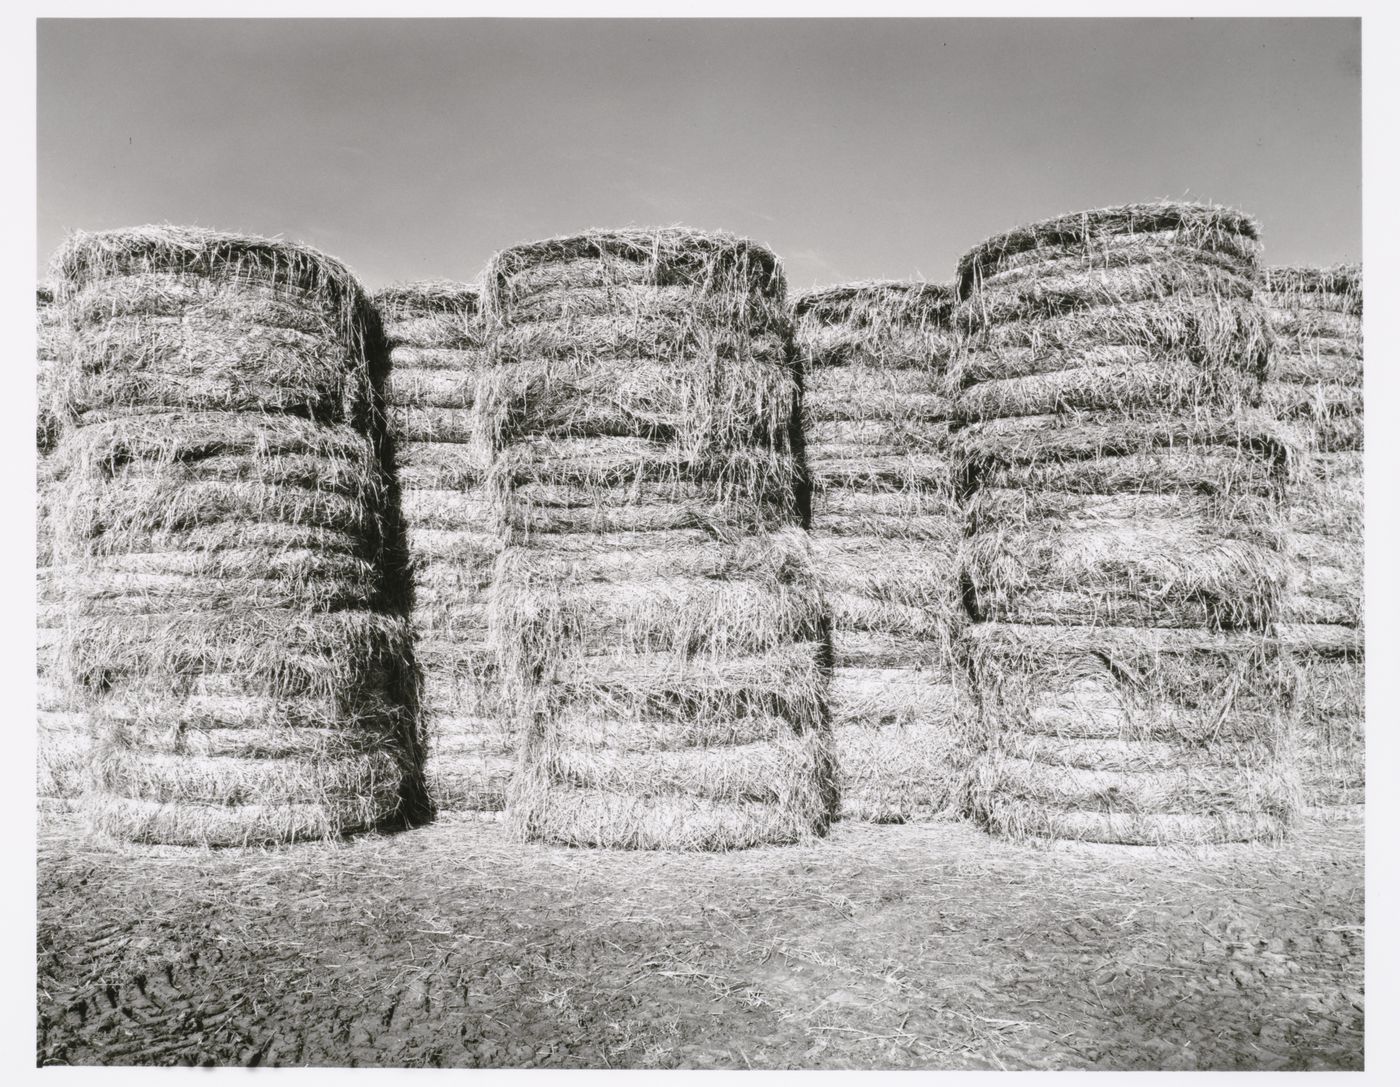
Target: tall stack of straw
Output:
[(885, 533), (1122, 562), (1316, 392), (61, 738), (659, 624), (227, 621), (436, 363)]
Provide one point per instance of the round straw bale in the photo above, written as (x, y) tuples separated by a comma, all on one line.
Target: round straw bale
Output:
[(1113, 564), (886, 533), (643, 385), (884, 325), (1200, 227), (1132, 724), (1040, 304), (695, 698), (223, 533), (674, 821), (1117, 486), (1316, 394), (177, 317), (438, 466), (901, 754), (1019, 817), (1337, 289), (198, 823)]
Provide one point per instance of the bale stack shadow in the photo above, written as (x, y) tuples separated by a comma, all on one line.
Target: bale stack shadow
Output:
[(659, 625), (228, 626), (885, 533), (1123, 556), (1315, 392)]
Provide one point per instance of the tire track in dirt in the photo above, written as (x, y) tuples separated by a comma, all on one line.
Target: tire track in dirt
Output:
[(911, 947)]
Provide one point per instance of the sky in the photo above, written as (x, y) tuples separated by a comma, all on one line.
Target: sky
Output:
[(855, 149)]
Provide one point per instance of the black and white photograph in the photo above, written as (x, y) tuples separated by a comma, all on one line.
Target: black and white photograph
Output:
[(739, 540)]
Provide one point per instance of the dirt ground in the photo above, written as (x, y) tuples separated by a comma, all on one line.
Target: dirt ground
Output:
[(927, 946)]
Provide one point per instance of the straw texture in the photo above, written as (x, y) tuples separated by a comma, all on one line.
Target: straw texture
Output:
[(885, 532), (437, 363), (238, 651), (658, 622), (62, 741), (1315, 392), (1123, 561)]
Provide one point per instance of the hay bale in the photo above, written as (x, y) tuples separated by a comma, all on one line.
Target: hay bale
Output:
[(1124, 559), (656, 615), (886, 533), (436, 365), (1315, 393), (1132, 735), (1142, 307), (1093, 518), (230, 632), (62, 740)]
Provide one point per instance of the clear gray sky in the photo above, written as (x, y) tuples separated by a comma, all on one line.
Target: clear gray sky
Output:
[(855, 148)]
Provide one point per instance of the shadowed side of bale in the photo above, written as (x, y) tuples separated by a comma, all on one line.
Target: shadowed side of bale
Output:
[(436, 365), (230, 631), (62, 739), (659, 626), (1315, 392), (1124, 559), (886, 534)]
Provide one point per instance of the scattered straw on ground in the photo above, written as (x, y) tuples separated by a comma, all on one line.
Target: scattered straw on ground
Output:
[(921, 946)]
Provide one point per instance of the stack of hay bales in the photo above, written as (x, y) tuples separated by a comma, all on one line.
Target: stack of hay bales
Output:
[(885, 532), (62, 742), (1316, 391), (1123, 558), (658, 621), (227, 622), (436, 363)]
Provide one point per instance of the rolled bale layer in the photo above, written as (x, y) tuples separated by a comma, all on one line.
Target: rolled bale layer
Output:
[(1315, 392), (659, 626), (436, 365), (241, 661), (885, 533), (1123, 537), (62, 740)]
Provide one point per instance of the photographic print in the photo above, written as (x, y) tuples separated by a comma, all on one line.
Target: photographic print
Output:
[(700, 543)]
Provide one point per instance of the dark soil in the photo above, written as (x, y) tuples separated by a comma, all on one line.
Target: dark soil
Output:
[(883, 947)]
